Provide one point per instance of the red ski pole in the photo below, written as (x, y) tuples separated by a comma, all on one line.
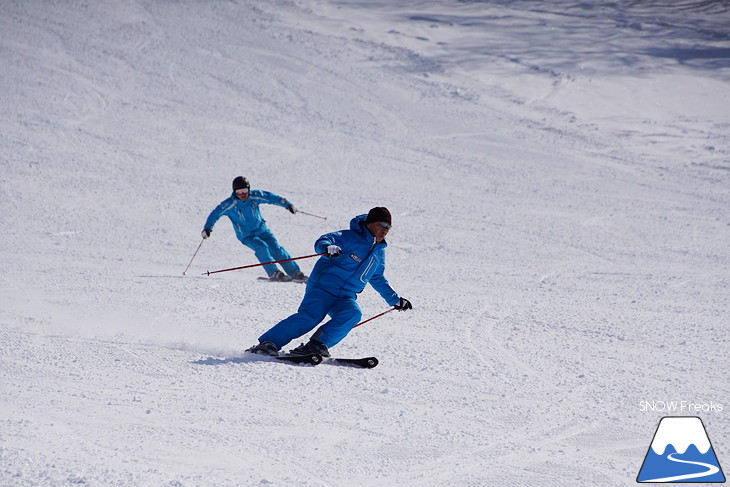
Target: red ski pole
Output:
[(376, 316), (191, 260), (311, 214), (263, 263)]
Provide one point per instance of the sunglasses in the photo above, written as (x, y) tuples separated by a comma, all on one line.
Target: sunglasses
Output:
[(241, 192), (387, 226)]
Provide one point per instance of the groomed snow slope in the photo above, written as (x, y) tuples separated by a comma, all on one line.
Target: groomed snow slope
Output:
[(559, 182)]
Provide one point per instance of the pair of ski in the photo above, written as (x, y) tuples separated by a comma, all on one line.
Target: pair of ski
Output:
[(298, 281), (316, 359)]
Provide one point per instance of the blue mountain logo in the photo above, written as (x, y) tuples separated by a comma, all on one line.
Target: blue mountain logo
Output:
[(681, 452)]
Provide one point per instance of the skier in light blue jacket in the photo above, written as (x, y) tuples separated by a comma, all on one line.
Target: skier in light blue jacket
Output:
[(352, 258), (242, 208)]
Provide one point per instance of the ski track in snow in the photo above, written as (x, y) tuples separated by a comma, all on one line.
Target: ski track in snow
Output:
[(558, 176)]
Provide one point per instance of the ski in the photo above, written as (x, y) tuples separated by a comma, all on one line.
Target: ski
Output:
[(310, 358), (298, 281), (363, 363), (316, 359)]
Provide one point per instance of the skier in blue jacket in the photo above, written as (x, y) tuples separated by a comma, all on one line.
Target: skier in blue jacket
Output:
[(351, 259), (242, 208)]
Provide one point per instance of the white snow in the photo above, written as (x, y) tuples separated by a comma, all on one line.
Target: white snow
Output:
[(681, 432), (559, 181)]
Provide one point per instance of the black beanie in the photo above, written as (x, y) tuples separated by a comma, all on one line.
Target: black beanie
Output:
[(240, 182), (379, 214)]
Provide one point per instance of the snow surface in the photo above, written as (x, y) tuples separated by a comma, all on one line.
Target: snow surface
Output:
[(559, 179)]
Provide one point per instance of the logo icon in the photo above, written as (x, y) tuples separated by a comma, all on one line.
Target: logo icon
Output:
[(681, 452)]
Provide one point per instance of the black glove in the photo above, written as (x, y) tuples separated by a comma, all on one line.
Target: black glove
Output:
[(332, 251), (291, 209), (403, 305), (205, 233)]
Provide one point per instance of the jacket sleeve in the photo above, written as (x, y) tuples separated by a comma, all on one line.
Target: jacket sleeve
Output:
[(380, 284), (217, 212), (327, 239), (270, 198)]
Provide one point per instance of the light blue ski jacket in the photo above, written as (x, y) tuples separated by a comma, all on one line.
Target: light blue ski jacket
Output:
[(245, 215), (362, 261)]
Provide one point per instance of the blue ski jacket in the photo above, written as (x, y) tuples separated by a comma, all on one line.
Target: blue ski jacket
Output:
[(245, 215), (361, 261)]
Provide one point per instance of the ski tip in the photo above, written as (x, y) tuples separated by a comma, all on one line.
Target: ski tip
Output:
[(363, 363), (368, 362)]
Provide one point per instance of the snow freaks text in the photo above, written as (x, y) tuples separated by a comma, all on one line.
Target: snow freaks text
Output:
[(680, 407)]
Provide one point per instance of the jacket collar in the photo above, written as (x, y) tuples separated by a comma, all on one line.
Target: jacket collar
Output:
[(357, 225)]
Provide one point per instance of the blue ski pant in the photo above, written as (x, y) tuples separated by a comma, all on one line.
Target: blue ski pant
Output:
[(317, 303), (267, 249)]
